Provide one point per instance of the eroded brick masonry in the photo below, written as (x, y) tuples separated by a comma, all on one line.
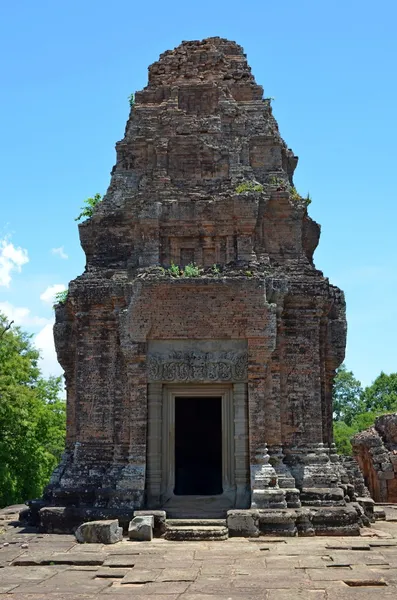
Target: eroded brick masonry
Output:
[(202, 177)]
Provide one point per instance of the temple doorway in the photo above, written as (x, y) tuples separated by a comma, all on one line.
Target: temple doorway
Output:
[(197, 454), (198, 446)]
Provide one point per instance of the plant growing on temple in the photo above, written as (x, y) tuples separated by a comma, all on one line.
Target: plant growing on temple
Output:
[(131, 100), (61, 297), (249, 186), (294, 193), (89, 207), (307, 199), (174, 270), (277, 182), (191, 270), (32, 418), (215, 269)]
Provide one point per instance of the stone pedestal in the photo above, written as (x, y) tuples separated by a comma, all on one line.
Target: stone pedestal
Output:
[(266, 492)]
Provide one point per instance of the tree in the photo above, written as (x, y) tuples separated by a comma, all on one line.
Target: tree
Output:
[(356, 409), (342, 435), (32, 418), (347, 401), (381, 396)]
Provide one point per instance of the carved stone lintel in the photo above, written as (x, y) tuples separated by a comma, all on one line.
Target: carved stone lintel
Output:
[(197, 366)]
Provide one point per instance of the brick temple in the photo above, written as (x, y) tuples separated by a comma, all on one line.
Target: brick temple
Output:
[(200, 344)]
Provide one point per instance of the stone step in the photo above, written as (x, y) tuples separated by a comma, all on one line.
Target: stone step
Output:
[(196, 522), (195, 533)]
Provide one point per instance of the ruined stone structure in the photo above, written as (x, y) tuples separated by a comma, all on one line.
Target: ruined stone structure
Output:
[(375, 450), (202, 389)]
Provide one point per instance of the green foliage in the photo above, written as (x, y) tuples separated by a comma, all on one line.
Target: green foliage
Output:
[(346, 396), (356, 409), (61, 297), (294, 193), (342, 435), (88, 210), (277, 181), (131, 100), (174, 270), (191, 270), (296, 197), (32, 419), (215, 269), (249, 186), (382, 394), (248, 273)]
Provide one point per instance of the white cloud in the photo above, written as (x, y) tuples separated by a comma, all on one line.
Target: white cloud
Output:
[(60, 252), (11, 259), (21, 315), (44, 341), (48, 295)]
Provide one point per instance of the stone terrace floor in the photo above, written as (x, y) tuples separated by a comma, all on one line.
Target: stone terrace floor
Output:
[(55, 567)]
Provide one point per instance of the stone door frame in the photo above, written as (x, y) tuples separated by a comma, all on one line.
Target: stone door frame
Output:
[(160, 475)]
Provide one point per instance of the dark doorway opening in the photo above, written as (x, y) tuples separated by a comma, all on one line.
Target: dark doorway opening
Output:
[(198, 446)]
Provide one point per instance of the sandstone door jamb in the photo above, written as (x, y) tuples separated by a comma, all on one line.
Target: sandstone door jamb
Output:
[(161, 439)]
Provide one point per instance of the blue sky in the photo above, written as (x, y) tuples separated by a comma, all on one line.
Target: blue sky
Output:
[(67, 69)]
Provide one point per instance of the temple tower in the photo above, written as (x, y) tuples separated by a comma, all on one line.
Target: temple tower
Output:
[(200, 344)]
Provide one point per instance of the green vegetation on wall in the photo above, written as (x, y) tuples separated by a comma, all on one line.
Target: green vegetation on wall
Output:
[(89, 206)]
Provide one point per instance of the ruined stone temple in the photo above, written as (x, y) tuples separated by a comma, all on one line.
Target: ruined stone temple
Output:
[(375, 450), (200, 344)]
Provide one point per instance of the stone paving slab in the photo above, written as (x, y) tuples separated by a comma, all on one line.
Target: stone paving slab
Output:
[(66, 582), (49, 558), (148, 590), (140, 576), (179, 574), (10, 575), (237, 569)]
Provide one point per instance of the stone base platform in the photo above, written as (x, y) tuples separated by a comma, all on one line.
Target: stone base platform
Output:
[(56, 567), (304, 522)]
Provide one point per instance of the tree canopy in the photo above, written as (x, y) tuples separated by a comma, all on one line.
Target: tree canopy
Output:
[(32, 418), (355, 408)]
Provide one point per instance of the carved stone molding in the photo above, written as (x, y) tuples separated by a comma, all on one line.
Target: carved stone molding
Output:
[(196, 366)]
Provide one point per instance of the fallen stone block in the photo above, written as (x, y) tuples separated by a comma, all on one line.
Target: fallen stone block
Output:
[(367, 504), (304, 522), (336, 520), (141, 529), (243, 523), (379, 513), (277, 522), (99, 532), (159, 518)]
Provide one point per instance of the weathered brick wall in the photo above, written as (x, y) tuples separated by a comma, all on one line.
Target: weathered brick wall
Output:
[(375, 450), (199, 130)]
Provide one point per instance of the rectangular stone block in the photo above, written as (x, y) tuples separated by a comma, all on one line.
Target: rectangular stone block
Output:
[(99, 532), (243, 523), (141, 529), (159, 518)]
